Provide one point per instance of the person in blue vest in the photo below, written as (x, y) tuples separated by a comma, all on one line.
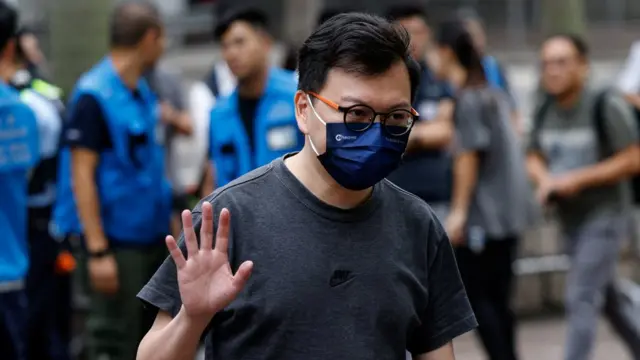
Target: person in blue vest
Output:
[(19, 152), (493, 69), (49, 277), (256, 123), (426, 170), (114, 199)]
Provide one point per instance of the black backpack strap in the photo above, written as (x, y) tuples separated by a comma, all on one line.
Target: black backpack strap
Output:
[(212, 82), (599, 118), (539, 117)]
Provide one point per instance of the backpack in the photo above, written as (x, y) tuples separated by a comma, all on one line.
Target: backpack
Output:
[(212, 82), (598, 125)]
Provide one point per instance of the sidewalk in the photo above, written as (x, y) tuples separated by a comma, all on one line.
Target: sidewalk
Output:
[(544, 340)]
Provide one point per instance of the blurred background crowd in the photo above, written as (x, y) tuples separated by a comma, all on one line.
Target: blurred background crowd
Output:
[(540, 54)]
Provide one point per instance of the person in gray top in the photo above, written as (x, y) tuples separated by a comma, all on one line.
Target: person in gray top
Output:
[(174, 120), (582, 149), (331, 260), (489, 207)]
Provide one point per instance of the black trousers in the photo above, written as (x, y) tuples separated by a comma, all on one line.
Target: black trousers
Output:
[(488, 279), (49, 292)]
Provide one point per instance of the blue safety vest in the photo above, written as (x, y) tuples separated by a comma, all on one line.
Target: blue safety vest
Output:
[(134, 194), (19, 152), (275, 129), (493, 72)]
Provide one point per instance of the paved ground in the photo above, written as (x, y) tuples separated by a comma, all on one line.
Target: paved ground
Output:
[(543, 340)]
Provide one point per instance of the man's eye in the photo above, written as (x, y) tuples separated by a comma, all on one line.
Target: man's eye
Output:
[(357, 112)]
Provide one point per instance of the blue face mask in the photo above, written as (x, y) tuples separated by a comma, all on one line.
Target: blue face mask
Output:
[(359, 160)]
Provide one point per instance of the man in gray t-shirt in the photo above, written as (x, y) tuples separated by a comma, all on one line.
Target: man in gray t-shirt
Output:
[(499, 203), (174, 120), (583, 147), (324, 258)]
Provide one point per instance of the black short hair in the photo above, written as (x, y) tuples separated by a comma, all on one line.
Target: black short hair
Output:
[(404, 11), (356, 43), (130, 21), (255, 17), (330, 12), (23, 31), (8, 24), (578, 42), (454, 35)]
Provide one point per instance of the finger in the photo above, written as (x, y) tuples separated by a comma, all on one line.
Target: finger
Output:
[(176, 253), (206, 230), (115, 286), (114, 280), (222, 236), (189, 235), (242, 275)]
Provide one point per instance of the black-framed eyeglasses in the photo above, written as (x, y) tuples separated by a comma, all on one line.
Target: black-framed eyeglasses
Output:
[(361, 117)]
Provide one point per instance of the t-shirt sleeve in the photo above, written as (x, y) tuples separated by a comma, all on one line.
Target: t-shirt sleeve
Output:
[(175, 91), (472, 133), (86, 127), (448, 313), (162, 292), (447, 92), (620, 122)]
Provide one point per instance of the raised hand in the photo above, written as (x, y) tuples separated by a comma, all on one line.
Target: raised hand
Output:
[(205, 279)]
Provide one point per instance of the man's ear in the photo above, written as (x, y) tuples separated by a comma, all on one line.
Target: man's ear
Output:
[(266, 39), (9, 51), (301, 101)]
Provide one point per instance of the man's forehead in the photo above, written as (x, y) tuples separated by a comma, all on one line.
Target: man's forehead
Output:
[(558, 46), (412, 21), (240, 28), (391, 88)]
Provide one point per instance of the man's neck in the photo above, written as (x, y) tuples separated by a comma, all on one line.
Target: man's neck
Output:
[(457, 77), (308, 170), (570, 98), (253, 86), (128, 67)]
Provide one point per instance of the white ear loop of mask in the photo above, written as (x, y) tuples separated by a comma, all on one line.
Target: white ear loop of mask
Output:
[(320, 119)]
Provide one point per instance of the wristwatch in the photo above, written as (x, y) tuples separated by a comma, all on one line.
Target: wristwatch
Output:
[(99, 254)]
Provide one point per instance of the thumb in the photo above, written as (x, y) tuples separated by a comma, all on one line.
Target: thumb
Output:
[(242, 275)]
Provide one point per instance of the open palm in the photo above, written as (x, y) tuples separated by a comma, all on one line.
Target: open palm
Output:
[(205, 279)]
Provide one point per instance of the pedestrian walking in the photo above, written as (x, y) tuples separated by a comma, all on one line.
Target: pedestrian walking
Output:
[(317, 256)]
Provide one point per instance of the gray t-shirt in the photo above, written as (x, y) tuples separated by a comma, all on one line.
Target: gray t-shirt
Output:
[(167, 87), (328, 283), (567, 140), (501, 204)]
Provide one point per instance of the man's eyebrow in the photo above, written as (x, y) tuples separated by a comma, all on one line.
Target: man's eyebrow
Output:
[(355, 100)]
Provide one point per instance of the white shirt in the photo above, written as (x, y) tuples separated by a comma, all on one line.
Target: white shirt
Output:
[(629, 80)]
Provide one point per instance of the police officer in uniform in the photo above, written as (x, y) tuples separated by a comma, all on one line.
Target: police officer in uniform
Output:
[(19, 152), (256, 123), (112, 165), (427, 167), (49, 280)]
